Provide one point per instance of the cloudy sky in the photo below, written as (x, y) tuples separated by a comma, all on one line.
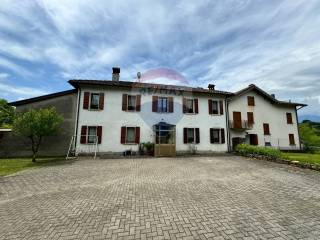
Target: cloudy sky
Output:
[(231, 43)]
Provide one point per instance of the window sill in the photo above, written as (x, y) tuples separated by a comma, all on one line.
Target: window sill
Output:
[(190, 113), (132, 111), (267, 134), (130, 143), (94, 110), (213, 114)]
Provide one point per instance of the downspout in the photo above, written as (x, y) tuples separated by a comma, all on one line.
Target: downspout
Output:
[(227, 124), (298, 125), (77, 118)]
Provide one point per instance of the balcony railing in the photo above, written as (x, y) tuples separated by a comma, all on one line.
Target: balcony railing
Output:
[(243, 125)]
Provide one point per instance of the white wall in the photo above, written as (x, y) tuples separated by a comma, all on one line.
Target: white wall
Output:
[(266, 112), (112, 118)]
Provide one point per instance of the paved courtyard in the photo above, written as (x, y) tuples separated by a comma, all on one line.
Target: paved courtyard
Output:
[(223, 197)]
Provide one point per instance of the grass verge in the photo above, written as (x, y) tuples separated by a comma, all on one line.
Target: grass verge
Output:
[(303, 157)]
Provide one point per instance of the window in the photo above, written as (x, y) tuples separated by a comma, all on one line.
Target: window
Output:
[(130, 135), (250, 118), (162, 104), (190, 105), (266, 129), (289, 118), (215, 107), (251, 101), (267, 144), (191, 135), (217, 135), (130, 138), (291, 139), (131, 103), (92, 135), (94, 102)]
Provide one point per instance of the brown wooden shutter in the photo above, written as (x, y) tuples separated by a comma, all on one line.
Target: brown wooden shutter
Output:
[(124, 102), (211, 135), (255, 139), (289, 118), (86, 97), (99, 134), (137, 135), (196, 107), (210, 106), (170, 104), (123, 135), (223, 139), (291, 139), (250, 118), (251, 101), (221, 107), (83, 137), (101, 101), (138, 103), (154, 103), (185, 135), (266, 129), (184, 105), (197, 135)]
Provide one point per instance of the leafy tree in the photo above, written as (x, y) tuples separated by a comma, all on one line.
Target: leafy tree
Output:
[(6, 114), (309, 134), (36, 124)]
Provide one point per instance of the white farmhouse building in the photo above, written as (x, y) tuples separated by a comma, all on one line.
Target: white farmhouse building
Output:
[(257, 118)]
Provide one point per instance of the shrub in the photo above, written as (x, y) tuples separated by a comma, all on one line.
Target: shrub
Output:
[(250, 150)]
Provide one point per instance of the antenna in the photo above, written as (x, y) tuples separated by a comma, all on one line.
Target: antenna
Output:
[(139, 76)]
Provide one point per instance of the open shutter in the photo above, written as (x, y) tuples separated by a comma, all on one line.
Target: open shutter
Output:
[(101, 101), (211, 135), (210, 106), (124, 102), (184, 105), (99, 134), (83, 137), (197, 135), (185, 135), (170, 104), (196, 107), (221, 107), (154, 104), (137, 135), (123, 135), (86, 97), (223, 138), (138, 103)]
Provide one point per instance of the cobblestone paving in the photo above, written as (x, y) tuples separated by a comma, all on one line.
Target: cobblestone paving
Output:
[(225, 197)]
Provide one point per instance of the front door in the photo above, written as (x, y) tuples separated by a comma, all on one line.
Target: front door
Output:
[(253, 139), (165, 140), (237, 120)]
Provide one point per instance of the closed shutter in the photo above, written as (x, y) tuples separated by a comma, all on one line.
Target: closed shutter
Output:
[(184, 105), (170, 104), (138, 103), (211, 135), (221, 107), (124, 102), (223, 139), (137, 135), (197, 135), (101, 101), (210, 106), (251, 101), (86, 97), (196, 107), (123, 135), (250, 118), (83, 137), (289, 118), (185, 135), (266, 129), (291, 139), (154, 104), (99, 134)]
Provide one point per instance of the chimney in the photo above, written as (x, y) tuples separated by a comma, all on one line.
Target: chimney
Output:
[(115, 74), (211, 86), (273, 96)]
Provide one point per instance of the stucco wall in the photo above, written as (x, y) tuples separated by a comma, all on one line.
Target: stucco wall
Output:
[(266, 112), (112, 118), (11, 145)]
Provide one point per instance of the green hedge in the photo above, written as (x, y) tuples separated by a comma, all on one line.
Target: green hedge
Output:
[(249, 150)]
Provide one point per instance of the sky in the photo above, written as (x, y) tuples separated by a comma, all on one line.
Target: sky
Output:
[(274, 44)]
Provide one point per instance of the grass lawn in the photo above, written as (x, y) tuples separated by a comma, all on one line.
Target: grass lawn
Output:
[(303, 157), (12, 165)]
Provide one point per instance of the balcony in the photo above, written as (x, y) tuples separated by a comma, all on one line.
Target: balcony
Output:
[(240, 125)]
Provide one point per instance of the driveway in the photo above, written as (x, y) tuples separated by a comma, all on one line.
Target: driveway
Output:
[(225, 197)]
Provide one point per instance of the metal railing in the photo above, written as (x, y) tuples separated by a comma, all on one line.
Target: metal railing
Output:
[(240, 125)]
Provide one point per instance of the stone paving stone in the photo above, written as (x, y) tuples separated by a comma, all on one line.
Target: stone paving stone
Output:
[(225, 197)]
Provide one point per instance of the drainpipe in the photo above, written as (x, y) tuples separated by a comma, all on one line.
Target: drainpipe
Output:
[(227, 124), (295, 108), (77, 119)]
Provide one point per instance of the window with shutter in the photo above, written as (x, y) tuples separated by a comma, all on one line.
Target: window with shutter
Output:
[(291, 139), (92, 135), (130, 135), (190, 105), (94, 101), (191, 135), (131, 103), (251, 101), (250, 118), (289, 118), (266, 129)]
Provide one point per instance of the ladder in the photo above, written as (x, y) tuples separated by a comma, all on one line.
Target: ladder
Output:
[(71, 151)]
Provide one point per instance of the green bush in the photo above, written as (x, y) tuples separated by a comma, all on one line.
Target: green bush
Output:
[(249, 150)]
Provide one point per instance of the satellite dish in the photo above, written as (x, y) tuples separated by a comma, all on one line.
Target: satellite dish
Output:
[(138, 76)]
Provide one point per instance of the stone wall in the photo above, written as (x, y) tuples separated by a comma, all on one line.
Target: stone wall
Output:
[(13, 146)]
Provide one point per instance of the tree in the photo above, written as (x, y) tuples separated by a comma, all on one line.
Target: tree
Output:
[(36, 124), (309, 134), (6, 114)]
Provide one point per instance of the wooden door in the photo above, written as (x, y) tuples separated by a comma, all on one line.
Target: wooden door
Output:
[(253, 139), (237, 120)]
